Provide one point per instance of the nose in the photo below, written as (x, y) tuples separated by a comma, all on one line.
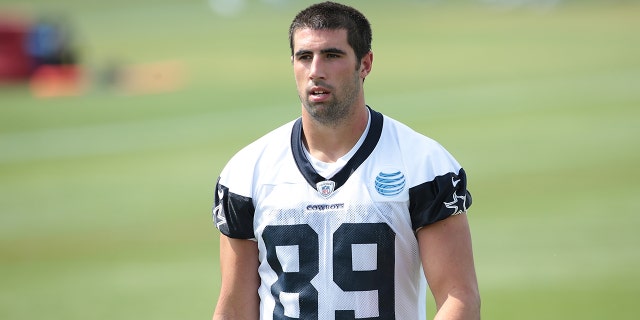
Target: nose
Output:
[(316, 69)]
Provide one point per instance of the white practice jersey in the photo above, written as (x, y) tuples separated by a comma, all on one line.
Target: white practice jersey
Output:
[(345, 247)]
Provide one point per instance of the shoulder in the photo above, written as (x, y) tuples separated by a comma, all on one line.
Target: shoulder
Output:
[(268, 145), (437, 183), (421, 154), (266, 151), (409, 140)]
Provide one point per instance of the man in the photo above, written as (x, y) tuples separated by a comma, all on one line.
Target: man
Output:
[(332, 215)]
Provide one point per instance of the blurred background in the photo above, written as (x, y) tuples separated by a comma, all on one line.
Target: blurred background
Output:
[(117, 116)]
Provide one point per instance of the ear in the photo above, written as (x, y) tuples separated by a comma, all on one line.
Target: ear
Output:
[(365, 64)]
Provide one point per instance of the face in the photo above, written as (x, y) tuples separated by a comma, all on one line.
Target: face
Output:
[(328, 77)]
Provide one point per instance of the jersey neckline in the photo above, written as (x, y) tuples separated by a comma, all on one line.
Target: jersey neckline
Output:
[(340, 178)]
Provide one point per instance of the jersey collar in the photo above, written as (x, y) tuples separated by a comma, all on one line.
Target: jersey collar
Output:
[(340, 178)]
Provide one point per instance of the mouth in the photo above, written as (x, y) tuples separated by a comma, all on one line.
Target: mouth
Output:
[(319, 93)]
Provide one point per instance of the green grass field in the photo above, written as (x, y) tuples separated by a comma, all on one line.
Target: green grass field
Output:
[(105, 199)]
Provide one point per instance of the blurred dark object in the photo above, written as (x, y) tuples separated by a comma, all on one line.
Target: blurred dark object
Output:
[(50, 42)]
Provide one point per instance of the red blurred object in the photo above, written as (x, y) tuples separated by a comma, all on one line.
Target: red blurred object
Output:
[(57, 81), (15, 62)]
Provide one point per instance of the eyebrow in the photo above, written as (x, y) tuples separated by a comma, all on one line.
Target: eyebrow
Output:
[(323, 51)]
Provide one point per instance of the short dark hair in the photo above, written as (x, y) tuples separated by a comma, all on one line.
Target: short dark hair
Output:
[(330, 15)]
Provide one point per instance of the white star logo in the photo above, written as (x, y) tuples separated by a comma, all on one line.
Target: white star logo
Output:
[(217, 211), (454, 182), (454, 203)]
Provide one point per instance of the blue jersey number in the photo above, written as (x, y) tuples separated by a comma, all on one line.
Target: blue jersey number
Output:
[(344, 275)]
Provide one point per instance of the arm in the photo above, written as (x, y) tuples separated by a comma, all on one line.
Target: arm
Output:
[(447, 259), (238, 299)]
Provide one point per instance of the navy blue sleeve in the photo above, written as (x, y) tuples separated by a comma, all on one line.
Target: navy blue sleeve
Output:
[(435, 200), (233, 213)]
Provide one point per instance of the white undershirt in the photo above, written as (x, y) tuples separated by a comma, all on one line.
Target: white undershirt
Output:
[(328, 170)]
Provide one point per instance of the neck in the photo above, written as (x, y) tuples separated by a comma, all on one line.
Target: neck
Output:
[(330, 143)]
